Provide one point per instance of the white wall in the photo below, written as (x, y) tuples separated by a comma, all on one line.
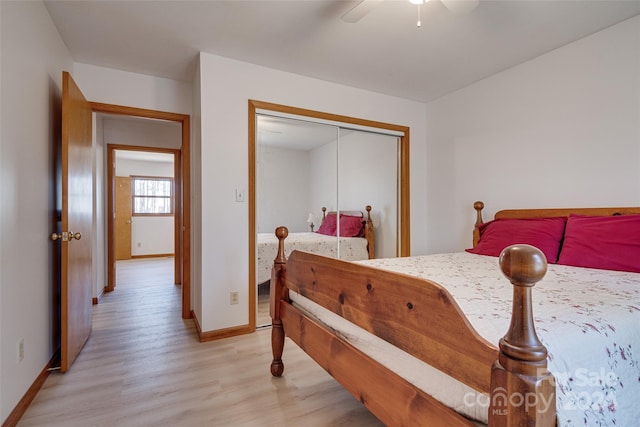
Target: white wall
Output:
[(142, 133), (129, 167), (561, 130), (226, 87), (196, 196), (33, 57), (150, 235), (107, 85)]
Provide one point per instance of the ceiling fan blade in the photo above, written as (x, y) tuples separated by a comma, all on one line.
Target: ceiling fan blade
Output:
[(460, 6), (358, 11)]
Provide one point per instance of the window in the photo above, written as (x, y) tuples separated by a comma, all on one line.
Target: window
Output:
[(152, 196)]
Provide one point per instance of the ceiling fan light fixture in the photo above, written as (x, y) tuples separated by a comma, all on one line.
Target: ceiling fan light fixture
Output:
[(418, 3)]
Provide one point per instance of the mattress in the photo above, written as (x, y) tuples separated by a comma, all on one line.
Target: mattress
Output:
[(588, 320), (351, 249)]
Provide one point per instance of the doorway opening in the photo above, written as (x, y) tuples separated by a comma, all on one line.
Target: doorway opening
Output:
[(144, 208), (180, 186)]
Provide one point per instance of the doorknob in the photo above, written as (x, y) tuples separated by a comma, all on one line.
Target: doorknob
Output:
[(65, 236), (128, 221)]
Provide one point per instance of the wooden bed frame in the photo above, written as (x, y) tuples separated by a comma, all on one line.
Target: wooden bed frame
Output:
[(546, 213), (425, 321)]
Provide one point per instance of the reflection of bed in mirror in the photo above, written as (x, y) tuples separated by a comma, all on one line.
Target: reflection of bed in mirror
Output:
[(356, 241)]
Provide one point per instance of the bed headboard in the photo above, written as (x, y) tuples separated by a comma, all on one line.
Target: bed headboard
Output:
[(546, 213), (366, 222)]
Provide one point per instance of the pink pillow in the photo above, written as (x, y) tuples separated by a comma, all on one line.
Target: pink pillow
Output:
[(605, 242), (351, 226), (543, 233), (329, 225)]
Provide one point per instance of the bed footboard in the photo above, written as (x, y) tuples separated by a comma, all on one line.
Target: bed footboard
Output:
[(514, 374)]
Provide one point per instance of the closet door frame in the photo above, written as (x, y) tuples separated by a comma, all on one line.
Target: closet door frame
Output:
[(255, 106)]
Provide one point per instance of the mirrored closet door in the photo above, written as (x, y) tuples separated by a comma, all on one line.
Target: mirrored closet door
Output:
[(336, 186)]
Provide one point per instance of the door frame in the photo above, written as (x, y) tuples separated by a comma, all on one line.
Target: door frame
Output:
[(182, 219), (177, 181)]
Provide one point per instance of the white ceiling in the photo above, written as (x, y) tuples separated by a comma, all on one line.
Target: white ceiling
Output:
[(384, 52)]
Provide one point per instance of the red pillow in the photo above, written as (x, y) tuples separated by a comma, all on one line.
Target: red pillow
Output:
[(605, 242), (351, 226), (329, 225), (543, 233)]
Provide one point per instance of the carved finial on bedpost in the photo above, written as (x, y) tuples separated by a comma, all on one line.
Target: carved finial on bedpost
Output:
[(522, 389), (369, 233), (275, 294), (281, 234), (478, 206), (324, 212)]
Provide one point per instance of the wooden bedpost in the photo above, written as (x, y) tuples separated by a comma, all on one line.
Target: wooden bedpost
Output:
[(522, 389), (478, 206), (324, 212), (275, 294), (368, 234)]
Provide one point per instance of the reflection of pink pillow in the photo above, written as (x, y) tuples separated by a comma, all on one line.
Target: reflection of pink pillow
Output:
[(605, 242), (543, 233), (350, 226), (329, 225)]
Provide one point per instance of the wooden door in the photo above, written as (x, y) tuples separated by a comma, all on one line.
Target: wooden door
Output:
[(123, 217), (76, 221)]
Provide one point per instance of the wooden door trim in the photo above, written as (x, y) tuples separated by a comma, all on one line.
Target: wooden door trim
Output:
[(111, 178), (182, 170), (111, 226)]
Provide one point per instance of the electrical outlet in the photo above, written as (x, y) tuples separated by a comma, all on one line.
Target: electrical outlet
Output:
[(234, 298), (20, 350)]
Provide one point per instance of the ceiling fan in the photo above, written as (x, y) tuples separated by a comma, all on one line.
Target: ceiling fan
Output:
[(365, 6)]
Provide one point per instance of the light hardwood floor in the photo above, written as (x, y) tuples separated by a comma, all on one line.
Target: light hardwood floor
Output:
[(144, 366)]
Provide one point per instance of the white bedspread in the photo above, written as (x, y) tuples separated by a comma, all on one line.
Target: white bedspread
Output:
[(351, 249), (588, 319)]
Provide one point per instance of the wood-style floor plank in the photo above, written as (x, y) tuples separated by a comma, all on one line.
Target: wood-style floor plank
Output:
[(144, 366)]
